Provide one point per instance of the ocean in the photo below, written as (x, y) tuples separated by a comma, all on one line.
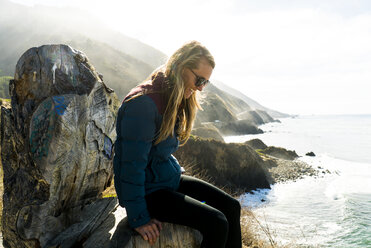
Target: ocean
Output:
[(333, 210)]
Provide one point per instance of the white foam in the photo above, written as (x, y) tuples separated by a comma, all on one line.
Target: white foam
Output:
[(348, 177), (256, 198)]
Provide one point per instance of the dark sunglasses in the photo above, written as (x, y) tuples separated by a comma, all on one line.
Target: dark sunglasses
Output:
[(200, 81)]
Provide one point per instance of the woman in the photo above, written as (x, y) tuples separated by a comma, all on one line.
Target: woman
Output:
[(153, 118)]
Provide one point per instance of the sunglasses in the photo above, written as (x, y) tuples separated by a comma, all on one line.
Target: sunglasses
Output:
[(200, 81)]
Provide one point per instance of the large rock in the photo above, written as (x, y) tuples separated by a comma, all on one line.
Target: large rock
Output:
[(57, 149), (235, 166), (56, 146)]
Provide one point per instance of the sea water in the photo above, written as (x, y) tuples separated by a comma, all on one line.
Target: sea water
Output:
[(333, 210)]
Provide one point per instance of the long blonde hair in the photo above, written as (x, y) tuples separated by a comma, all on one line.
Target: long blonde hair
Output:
[(187, 56)]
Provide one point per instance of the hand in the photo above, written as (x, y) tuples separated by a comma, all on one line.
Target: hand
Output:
[(150, 231)]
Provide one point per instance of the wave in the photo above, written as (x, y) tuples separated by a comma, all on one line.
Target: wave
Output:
[(330, 211)]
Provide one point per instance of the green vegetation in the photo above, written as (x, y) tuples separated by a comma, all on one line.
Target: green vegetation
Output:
[(4, 86), (260, 152)]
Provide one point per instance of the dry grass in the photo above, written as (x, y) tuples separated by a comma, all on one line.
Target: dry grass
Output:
[(249, 223), (192, 169), (250, 236), (110, 191)]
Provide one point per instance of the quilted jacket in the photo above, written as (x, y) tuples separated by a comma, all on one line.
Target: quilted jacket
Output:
[(140, 167)]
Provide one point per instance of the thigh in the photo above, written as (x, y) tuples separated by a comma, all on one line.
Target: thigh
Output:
[(175, 207), (206, 192)]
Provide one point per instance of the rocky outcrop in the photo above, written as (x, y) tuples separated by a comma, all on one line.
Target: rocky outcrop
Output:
[(114, 232), (282, 170), (311, 154), (56, 142), (256, 144), (235, 166), (279, 152), (208, 132)]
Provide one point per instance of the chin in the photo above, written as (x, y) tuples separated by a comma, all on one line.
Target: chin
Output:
[(188, 96)]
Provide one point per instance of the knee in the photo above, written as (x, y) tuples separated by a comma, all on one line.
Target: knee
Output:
[(215, 233), (221, 223), (234, 207)]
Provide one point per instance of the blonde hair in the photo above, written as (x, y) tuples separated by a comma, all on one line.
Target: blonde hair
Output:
[(187, 56)]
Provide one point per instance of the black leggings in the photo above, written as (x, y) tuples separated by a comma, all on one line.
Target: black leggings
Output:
[(202, 206)]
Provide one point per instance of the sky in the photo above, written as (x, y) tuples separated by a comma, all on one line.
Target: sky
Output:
[(298, 57)]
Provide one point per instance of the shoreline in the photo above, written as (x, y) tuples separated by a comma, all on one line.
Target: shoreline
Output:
[(284, 171)]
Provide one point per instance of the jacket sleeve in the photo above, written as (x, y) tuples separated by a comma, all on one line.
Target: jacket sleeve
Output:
[(137, 131)]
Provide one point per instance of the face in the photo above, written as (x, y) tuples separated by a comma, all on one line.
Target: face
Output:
[(204, 70)]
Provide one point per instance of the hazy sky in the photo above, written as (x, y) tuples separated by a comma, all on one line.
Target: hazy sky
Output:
[(298, 57)]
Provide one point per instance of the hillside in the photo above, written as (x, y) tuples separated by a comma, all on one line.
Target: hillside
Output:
[(118, 58), (249, 101), (224, 114), (120, 71), (42, 25)]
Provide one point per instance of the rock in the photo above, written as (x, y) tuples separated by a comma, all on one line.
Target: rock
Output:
[(282, 170), (256, 144), (171, 236), (280, 152), (310, 154), (56, 145), (208, 132), (115, 232), (232, 165)]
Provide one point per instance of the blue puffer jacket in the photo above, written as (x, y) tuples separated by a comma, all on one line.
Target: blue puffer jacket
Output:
[(140, 167)]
